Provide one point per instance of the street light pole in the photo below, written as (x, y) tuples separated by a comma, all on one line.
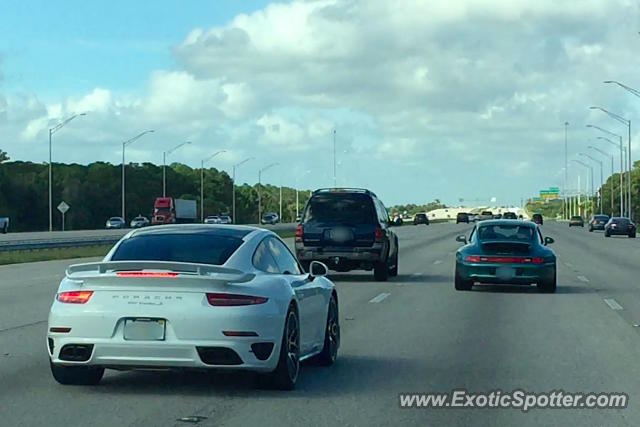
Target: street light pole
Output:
[(51, 132), (601, 174), (334, 160), (233, 187), (621, 161), (626, 122), (164, 166), (566, 166), (590, 191), (124, 145), (202, 181), (259, 185), (604, 153), (630, 166)]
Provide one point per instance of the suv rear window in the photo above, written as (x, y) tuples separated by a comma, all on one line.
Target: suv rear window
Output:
[(340, 208), (202, 248)]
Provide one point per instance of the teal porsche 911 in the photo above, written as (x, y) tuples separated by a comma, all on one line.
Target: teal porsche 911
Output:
[(506, 252)]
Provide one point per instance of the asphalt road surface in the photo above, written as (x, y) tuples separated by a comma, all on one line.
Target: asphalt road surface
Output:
[(411, 334)]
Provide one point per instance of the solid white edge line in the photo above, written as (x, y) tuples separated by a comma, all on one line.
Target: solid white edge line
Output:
[(379, 297), (613, 304)]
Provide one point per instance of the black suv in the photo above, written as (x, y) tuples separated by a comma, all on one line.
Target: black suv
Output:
[(420, 218), (347, 229), (462, 217), (509, 215), (537, 218)]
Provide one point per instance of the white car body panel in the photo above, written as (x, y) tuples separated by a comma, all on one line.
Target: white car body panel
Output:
[(190, 320)]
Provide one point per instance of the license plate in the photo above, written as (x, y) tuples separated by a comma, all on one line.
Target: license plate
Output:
[(340, 235), (505, 272), (144, 329)]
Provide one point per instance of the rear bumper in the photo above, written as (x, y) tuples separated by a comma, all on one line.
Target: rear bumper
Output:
[(343, 259), (614, 232), (521, 274)]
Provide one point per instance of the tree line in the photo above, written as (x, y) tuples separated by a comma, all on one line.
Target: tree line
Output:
[(93, 193)]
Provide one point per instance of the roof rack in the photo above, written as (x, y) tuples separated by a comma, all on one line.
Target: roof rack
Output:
[(345, 190)]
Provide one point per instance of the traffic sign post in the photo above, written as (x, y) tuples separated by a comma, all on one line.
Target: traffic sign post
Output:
[(63, 208)]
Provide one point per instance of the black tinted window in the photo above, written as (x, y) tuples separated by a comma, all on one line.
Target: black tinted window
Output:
[(341, 208), (286, 262), (506, 232), (263, 260), (199, 248)]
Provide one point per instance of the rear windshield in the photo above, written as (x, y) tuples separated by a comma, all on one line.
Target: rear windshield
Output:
[(115, 219), (340, 208), (579, 218), (621, 221), (422, 215), (463, 214), (486, 213), (601, 217), (521, 233), (202, 248)]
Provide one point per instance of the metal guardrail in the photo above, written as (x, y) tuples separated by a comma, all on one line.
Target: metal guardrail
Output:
[(17, 244)]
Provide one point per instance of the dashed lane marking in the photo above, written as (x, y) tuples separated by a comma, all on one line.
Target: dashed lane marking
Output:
[(613, 304), (438, 261), (583, 279), (379, 297)]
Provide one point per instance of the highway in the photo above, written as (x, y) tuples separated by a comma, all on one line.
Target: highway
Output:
[(411, 334)]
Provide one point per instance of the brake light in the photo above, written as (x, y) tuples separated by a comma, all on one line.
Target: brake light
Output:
[(379, 235), (299, 232), (74, 297), (504, 259), (231, 300), (149, 274)]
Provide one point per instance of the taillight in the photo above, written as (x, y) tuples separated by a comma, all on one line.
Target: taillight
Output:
[(299, 232), (74, 297), (505, 259), (149, 274), (379, 235), (227, 300)]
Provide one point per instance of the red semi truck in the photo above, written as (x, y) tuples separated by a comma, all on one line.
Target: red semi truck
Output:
[(167, 210)]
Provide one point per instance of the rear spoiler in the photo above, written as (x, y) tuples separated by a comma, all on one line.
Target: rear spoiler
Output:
[(96, 269)]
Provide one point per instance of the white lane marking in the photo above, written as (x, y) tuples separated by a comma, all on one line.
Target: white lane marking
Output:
[(379, 297), (583, 279), (438, 261), (613, 304), (568, 264)]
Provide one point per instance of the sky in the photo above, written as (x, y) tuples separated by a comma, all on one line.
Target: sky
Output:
[(464, 99)]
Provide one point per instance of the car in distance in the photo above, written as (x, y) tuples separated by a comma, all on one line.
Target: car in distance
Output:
[(462, 217), (509, 215), (485, 215), (115, 222), (270, 218), (225, 219), (505, 252), (139, 222), (347, 229), (497, 216), (420, 218), (537, 218), (4, 225), (597, 222), (620, 226), (193, 296), (576, 221), (212, 219)]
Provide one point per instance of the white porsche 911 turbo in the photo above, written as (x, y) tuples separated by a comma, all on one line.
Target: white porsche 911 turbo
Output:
[(193, 296)]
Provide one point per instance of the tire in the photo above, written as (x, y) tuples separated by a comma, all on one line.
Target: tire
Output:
[(590, 229), (329, 353), (381, 271), (606, 234), (632, 235), (285, 375), (393, 271), (76, 375), (548, 287), (461, 284), (5, 229)]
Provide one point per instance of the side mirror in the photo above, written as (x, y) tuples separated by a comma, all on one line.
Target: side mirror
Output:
[(462, 239), (548, 240), (318, 269)]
